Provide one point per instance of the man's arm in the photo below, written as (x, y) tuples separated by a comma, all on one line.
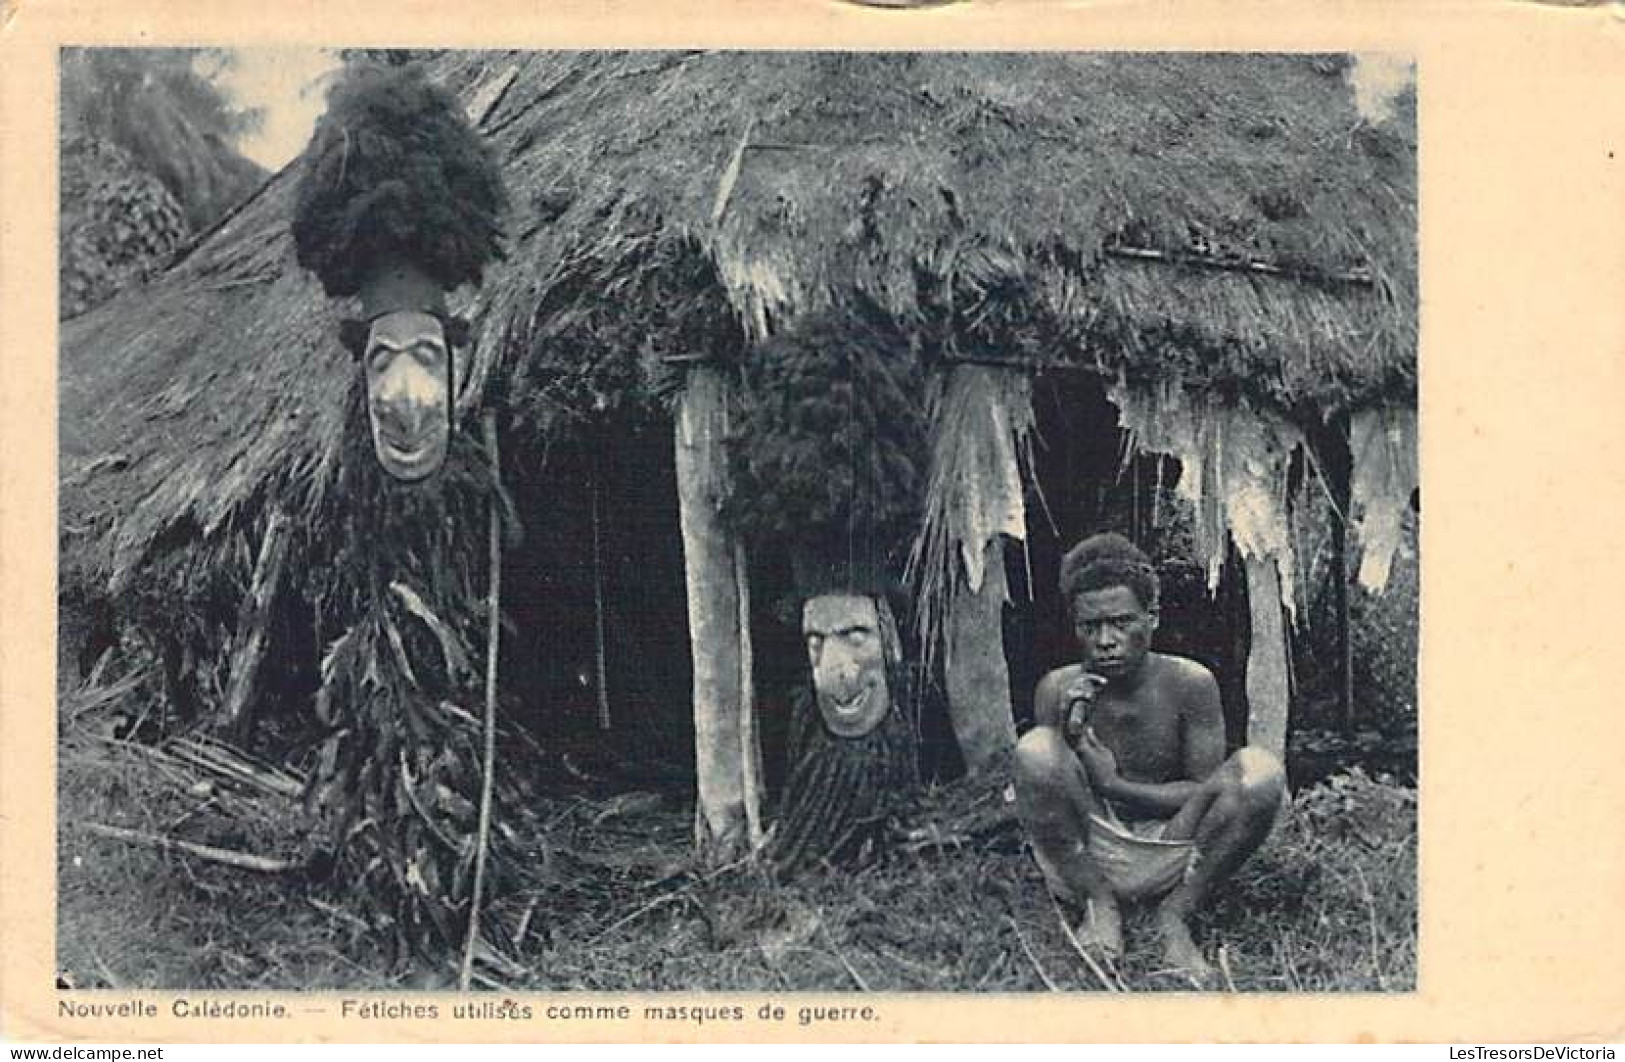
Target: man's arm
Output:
[(1049, 699), (1202, 725), (1202, 740), (1159, 800)]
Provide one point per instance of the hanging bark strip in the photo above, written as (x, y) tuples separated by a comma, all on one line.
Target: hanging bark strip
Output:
[(488, 767), (1382, 442), (253, 624), (1234, 463), (721, 821), (981, 426), (1268, 682)]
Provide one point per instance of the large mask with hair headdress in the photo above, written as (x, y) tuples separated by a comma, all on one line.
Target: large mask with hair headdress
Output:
[(829, 463), (398, 203)]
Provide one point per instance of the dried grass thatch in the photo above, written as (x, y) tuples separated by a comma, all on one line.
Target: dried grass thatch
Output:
[(772, 180)]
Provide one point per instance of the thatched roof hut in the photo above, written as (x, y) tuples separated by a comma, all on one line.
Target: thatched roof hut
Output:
[(1223, 239), (791, 176)]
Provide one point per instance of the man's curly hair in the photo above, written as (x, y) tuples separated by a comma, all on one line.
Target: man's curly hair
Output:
[(1107, 560)]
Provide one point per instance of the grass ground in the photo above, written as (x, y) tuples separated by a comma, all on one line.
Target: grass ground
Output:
[(1329, 904)]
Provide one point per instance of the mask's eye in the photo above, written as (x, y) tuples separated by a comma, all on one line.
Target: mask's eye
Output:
[(430, 355)]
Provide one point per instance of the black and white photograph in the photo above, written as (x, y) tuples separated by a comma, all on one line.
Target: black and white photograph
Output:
[(681, 522)]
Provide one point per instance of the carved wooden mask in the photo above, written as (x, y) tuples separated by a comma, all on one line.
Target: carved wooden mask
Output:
[(849, 645), (408, 361)]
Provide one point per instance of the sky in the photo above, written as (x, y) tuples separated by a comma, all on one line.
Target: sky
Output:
[(1377, 78), (289, 84)]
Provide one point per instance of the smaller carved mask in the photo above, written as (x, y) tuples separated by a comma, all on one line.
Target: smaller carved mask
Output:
[(849, 644), (408, 361)]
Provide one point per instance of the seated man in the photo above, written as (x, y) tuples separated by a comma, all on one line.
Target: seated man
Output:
[(1123, 784)]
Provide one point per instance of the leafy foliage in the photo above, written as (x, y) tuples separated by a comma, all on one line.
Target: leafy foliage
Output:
[(610, 331), (398, 771), (148, 158), (1385, 632), (395, 170), (1384, 629)]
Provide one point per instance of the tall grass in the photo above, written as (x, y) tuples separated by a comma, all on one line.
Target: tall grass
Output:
[(609, 903)]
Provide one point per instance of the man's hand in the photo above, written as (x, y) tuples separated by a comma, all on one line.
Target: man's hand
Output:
[(1085, 687), (1098, 760), (1079, 700)]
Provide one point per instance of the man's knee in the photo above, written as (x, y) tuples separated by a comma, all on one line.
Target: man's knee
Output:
[(1256, 776), (1040, 753), (1045, 771)]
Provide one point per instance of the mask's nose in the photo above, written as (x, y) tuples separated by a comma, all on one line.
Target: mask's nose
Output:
[(399, 420), (841, 673), (407, 402)]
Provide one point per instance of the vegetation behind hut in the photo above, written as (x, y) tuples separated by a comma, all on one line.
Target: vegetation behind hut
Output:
[(163, 107), (149, 157)]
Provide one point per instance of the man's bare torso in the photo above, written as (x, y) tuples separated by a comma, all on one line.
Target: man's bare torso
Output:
[(1142, 722)]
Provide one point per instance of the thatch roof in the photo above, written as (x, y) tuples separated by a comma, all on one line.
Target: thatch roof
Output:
[(670, 204)]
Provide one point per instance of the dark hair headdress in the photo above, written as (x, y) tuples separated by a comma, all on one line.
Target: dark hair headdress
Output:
[(829, 458), (399, 197)]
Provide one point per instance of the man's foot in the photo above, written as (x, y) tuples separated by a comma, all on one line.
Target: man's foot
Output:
[(1101, 930), (1179, 952)]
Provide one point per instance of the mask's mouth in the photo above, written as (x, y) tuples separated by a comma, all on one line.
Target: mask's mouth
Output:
[(854, 704), (856, 713), (412, 459)]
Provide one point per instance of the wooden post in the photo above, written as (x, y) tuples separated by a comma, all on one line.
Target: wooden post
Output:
[(750, 744), (1345, 623), (721, 825), (253, 621), (975, 672), (1268, 682)]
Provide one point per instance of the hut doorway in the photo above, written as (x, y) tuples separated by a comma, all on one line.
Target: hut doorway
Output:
[(1085, 483), (596, 657)]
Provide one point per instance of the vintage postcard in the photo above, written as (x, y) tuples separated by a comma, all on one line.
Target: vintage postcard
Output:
[(899, 525)]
